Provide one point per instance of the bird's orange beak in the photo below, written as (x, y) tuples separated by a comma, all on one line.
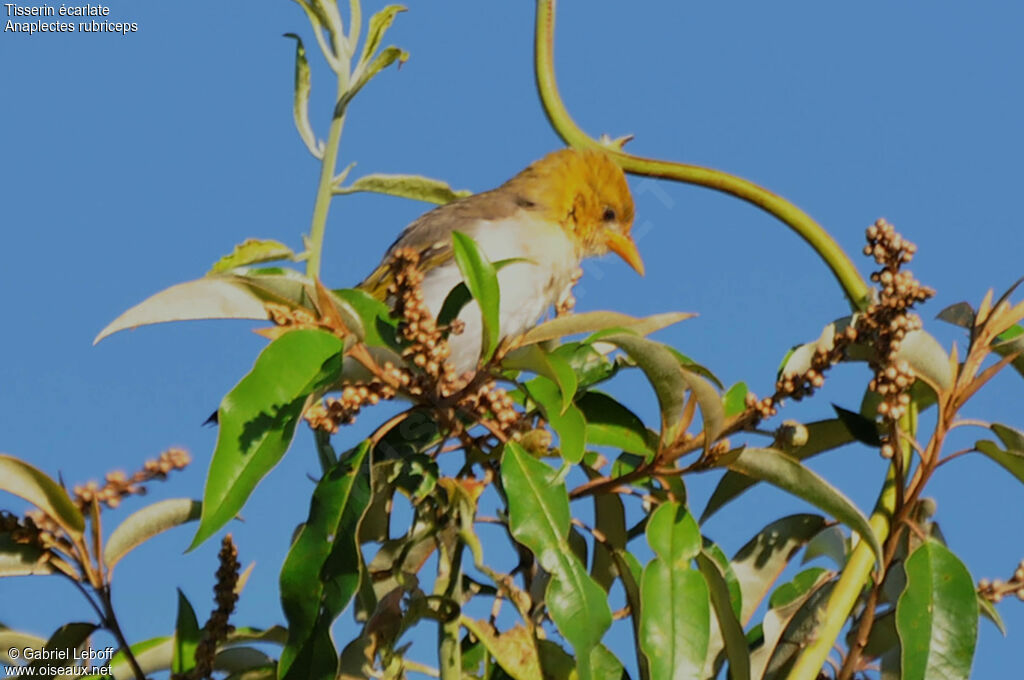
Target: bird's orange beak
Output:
[(624, 247)]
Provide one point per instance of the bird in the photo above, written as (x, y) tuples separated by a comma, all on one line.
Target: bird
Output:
[(569, 205)]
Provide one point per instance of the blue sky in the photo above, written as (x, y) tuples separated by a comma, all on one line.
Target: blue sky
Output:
[(130, 163)]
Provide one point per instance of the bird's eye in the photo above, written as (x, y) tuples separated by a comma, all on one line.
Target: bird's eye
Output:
[(609, 215)]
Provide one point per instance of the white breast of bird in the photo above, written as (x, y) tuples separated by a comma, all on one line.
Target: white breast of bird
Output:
[(528, 288)]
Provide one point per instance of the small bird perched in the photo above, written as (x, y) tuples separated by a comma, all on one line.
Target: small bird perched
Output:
[(569, 205)]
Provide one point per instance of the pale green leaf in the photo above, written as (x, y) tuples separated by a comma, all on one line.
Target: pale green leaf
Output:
[(758, 563), (726, 629), (927, 359), (591, 322), (300, 105), (379, 23), (515, 650), (1012, 461), (415, 187), (35, 486), (146, 523), (252, 251), (12, 639), (823, 435), (787, 473), (791, 624), (208, 298), (386, 57)]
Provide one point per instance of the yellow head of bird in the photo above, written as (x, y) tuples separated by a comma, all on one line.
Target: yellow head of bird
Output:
[(585, 192)]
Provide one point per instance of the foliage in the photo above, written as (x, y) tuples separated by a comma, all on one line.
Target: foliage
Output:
[(538, 433)]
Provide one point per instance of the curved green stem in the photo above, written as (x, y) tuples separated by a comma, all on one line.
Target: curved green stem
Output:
[(324, 189), (848, 589), (857, 570), (842, 267)]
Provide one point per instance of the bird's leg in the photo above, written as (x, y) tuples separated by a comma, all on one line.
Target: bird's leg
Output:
[(566, 304)]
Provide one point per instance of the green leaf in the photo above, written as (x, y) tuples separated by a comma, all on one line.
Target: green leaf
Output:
[(69, 638), (735, 399), (675, 617), (36, 487), (321, 573), (711, 550), (674, 535), (146, 523), (822, 436), (551, 366), (788, 593), (539, 519), (710, 402), (590, 322), (690, 365), (760, 561), (482, 280), (670, 382), (1012, 461), (1011, 341), (959, 314), (515, 650), (186, 636), (570, 425), (1012, 439), (989, 611), (277, 635), (605, 665), (610, 520), (376, 328), (927, 359), (729, 631), (556, 662), (280, 285), (937, 615), (609, 423), (589, 365), (779, 469), (21, 559), (459, 296), (300, 105), (153, 655), (245, 663), (631, 574), (862, 429), (379, 23), (252, 251), (315, 11), (791, 624), (799, 358), (207, 298), (385, 58), (883, 638), (1012, 333), (415, 187), (258, 418), (830, 542), (16, 640)]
